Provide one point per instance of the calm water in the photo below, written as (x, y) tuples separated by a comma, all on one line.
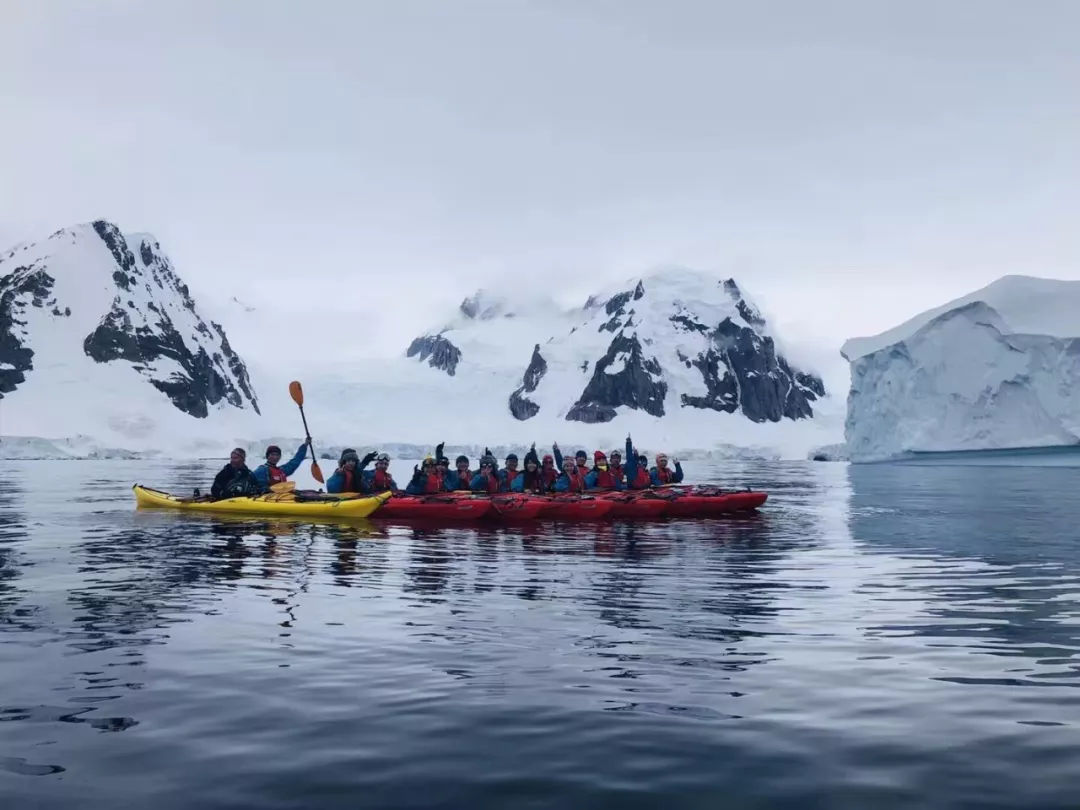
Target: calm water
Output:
[(882, 636)]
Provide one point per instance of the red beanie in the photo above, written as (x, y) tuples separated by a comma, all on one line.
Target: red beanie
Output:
[(599, 456)]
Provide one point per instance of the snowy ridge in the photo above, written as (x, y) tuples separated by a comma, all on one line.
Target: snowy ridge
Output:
[(965, 379), (1025, 304)]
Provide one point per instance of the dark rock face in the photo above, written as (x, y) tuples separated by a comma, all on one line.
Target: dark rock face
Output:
[(637, 382), (439, 352), (754, 378), (26, 286), (521, 406)]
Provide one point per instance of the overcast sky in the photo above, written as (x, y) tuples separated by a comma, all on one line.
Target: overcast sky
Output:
[(849, 163)]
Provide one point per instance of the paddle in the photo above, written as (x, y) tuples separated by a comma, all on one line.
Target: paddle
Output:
[(297, 393)]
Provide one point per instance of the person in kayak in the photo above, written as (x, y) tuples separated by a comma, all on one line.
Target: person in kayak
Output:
[(270, 473), (426, 479), (663, 474), (507, 475), (616, 466), (348, 477), (379, 479), (581, 458), (571, 480), (486, 480), (548, 472), (460, 478), (637, 468), (600, 476), (235, 479), (530, 479)]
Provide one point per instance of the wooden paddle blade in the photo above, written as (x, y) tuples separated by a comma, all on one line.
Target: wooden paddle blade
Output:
[(316, 473), (296, 392)]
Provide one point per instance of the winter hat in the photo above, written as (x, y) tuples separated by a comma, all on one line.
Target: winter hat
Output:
[(661, 456), (273, 449), (599, 456), (511, 457), (460, 459), (240, 451), (581, 454), (489, 460), (549, 457), (614, 453), (443, 460), (427, 460), (348, 454)]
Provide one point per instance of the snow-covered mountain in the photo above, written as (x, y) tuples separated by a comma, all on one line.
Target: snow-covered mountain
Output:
[(99, 336), (677, 354), (998, 368)]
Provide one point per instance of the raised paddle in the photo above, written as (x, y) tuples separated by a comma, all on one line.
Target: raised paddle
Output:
[(297, 393)]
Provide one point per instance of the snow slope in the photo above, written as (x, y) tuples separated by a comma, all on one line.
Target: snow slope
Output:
[(1026, 304), (100, 337), (974, 376)]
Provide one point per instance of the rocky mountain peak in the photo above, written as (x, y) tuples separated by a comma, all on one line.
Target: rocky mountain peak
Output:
[(90, 290)]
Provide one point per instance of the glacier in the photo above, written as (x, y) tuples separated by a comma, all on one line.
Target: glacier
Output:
[(996, 369)]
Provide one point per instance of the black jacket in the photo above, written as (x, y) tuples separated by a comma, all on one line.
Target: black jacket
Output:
[(232, 483)]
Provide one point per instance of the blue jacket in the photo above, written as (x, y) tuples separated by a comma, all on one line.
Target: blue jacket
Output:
[(262, 472), (479, 483), (455, 482), (562, 483), (631, 465), (506, 481), (336, 482), (676, 477), (590, 481)]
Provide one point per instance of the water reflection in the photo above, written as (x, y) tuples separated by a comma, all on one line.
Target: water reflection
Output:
[(982, 560)]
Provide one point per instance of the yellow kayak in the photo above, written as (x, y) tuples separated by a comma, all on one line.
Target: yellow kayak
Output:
[(276, 503)]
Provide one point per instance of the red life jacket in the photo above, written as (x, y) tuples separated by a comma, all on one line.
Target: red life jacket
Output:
[(277, 475), (665, 474), (348, 485), (618, 471), (549, 475), (641, 479), (577, 481), (433, 483), (491, 482), (382, 480), (604, 479)]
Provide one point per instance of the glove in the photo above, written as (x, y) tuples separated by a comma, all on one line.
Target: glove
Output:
[(368, 458), (439, 449)]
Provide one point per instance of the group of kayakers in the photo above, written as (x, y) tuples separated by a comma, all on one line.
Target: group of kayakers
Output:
[(552, 473)]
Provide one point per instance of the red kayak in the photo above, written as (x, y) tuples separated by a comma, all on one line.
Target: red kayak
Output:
[(517, 507), (433, 507), (577, 507), (692, 504), (636, 505)]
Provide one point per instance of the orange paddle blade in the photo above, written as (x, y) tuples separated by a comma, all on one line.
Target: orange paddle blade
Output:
[(316, 473), (296, 392)]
